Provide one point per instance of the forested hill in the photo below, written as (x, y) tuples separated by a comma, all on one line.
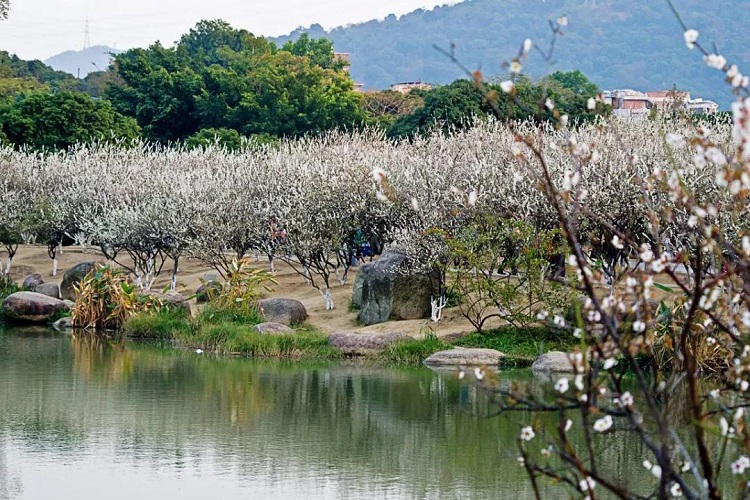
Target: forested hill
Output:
[(616, 43)]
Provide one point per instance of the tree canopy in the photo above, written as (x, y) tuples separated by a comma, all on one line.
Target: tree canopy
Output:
[(46, 120), (224, 78), (454, 106)]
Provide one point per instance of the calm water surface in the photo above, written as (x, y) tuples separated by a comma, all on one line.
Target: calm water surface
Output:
[(97, 420)]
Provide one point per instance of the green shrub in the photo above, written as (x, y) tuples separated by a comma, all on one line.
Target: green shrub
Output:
[(413, 352), (522, 345), (7, 287), (242, 339), (164, 324)]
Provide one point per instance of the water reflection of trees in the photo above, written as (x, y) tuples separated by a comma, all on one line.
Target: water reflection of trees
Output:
[(364, 426)]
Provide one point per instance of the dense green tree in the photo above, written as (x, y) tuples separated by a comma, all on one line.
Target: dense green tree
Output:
[(319, 51), (454, 106), (53, 120), (445, 107), (221, 78), (18, 75)]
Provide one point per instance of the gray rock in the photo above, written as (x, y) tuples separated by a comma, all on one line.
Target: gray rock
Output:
[(461, 356), (272, 329), (48, 289), (63, 324), (206, 291), (388, 292), (284, 311), (553, 362), (73, 276), (31, 307), (69, 304), (357, 289), (363, 343), (32, 281)]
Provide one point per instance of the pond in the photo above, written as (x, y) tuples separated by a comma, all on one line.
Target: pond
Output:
[(84, 419)]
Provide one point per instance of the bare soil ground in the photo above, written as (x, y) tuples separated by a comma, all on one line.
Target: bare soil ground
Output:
[(34, 259)]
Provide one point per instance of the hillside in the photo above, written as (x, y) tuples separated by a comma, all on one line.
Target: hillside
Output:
[(616, 43), (82, 62)]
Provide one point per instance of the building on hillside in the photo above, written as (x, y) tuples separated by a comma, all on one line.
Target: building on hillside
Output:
[(702, 106), (628, 103), (669, 99), (406, 87)]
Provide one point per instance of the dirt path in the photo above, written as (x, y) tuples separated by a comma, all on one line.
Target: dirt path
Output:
[(34, 259)]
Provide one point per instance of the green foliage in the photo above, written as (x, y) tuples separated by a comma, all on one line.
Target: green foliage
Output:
[(413, 352), (501, 271), (241, 316), (218, 77), (242, 289), (222, 334), (18, 75), (7, 287), (226, 138), (520, 345), (166, 323), (319, 51), (105, 300), (50, 121), (455, 106)]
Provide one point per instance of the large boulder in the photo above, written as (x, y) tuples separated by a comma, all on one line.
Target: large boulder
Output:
[(73, 276), (363, 343), (284, 311), (391, 293), (48, 289), (32, 307), (553, 362), (272, 329), (357, 289), (32, 281), (461, 356)]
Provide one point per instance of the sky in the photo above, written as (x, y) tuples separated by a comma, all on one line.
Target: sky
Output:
[(39, 29)]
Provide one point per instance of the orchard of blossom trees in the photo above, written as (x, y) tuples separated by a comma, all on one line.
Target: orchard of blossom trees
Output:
[(301, 201), (626, 206)]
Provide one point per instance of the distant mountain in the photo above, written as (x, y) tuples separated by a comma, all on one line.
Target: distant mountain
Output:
[(616, 43), (82, 62)]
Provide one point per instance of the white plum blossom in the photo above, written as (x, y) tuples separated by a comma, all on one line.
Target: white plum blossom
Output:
[(527, 433), (716, 61), (691, 36), (740, 465), (603, 424), (562, 385)]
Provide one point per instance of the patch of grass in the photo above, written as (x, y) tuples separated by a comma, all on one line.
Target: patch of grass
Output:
[(412, 352), (60, 314), (352, 307), (520, 345), (240, 316), (7, 287), (166, 324), (241, 339)]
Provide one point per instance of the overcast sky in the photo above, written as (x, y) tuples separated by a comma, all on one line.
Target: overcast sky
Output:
[(38, 29)]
